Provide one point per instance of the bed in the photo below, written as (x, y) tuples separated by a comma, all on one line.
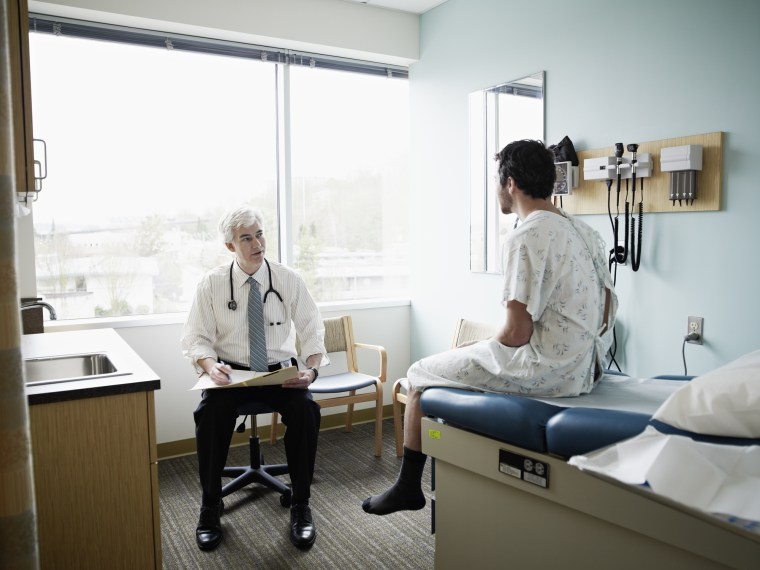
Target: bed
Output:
[(516, 485)]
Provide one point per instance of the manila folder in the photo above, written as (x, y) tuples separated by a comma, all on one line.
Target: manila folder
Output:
[(243, 378)]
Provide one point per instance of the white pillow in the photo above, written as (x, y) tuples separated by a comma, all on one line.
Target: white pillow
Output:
[(723, 402)]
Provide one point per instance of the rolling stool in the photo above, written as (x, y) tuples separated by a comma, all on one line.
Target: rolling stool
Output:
[(257, 472)]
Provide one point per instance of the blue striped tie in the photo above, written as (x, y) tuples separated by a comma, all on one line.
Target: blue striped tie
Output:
[(256, 338)]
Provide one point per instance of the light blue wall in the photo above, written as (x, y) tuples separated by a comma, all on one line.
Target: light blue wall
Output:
[(669, 69)]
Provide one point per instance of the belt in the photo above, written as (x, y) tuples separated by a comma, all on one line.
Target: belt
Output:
[(272, 367)]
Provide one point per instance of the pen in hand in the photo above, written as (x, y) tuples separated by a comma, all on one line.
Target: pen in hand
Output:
[(226, 374)]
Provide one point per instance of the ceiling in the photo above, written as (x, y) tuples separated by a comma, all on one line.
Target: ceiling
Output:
[(413, 6)]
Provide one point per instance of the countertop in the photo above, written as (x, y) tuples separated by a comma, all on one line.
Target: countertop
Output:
[(139, 378)]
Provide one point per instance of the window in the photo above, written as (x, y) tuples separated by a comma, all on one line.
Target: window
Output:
[(349, 162), (147, 147)]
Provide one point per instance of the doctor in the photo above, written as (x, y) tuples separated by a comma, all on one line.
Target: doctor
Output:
[(216, 340), (559, 315)]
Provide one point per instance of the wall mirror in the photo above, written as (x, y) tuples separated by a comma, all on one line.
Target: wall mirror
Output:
[(498, 116)]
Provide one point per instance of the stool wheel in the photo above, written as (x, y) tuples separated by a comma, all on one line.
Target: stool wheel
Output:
[(285, 499)]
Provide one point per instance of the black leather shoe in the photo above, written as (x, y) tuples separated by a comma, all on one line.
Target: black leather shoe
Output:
[(302, 531), (208, 534)]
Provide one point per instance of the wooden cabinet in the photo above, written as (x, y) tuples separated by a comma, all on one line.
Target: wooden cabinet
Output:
[(21, 95), (96, 482)]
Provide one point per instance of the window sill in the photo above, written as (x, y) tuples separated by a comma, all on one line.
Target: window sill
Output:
[(179, 318)]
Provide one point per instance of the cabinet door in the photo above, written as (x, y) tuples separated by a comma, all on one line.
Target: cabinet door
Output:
[(93, 482), (21, 95)]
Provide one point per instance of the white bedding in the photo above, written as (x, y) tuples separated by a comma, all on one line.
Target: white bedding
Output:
[(720, 479)]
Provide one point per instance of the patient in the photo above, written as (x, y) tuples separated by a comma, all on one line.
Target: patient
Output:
[(560, 312)]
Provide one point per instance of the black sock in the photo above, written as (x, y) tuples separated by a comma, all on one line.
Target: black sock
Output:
[(406, 493)]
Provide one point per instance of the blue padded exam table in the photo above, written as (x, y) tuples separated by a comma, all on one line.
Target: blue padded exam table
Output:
[(505, 497)]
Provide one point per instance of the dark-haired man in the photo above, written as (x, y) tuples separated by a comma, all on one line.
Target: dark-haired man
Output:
[(560, 312)]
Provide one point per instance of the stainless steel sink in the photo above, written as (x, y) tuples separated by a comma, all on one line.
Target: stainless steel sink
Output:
[(70, 367)]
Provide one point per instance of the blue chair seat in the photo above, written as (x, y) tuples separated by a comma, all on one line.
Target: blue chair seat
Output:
[(343, 382)]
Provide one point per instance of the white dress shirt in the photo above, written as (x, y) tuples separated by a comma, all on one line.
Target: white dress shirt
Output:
[(215, 331)]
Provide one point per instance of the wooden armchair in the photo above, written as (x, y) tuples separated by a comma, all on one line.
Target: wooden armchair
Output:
[(339, 338)]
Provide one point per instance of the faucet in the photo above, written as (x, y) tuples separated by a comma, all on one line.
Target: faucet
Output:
[(38, 303)]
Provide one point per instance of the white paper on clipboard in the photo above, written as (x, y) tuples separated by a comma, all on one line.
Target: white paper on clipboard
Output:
[(247, 378)]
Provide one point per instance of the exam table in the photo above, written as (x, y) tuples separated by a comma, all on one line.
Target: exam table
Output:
[(506, 497)]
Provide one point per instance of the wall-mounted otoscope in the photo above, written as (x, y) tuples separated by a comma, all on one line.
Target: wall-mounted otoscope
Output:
[(620, 252), (618, 168)]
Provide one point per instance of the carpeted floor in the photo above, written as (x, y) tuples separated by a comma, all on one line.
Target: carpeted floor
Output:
[(256, 525)]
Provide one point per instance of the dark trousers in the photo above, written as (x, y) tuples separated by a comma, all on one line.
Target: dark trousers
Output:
[(215, 420)]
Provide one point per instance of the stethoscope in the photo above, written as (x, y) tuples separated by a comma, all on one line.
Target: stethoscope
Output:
[(232, 304)]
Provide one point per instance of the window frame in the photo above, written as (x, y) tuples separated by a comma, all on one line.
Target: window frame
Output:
[(284, 59)]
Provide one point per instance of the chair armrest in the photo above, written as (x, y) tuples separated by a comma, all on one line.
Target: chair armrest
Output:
[(383, 357), (400, 390)]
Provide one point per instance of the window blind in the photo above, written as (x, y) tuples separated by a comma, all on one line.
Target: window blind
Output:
[(107, 32)]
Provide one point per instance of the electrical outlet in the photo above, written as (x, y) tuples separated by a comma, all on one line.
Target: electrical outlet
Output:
[(695, 325)]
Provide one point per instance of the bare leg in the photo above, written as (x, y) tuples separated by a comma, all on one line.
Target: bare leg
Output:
[(406, 493), (413, 421)]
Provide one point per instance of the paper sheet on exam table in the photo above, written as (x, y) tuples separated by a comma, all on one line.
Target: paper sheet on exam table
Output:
[(722, 479), (642, 395)]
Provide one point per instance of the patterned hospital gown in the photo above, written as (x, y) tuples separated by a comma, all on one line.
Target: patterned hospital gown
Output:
[(557, 267)]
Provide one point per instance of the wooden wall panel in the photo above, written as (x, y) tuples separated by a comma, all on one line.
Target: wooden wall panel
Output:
[(591, 195)]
